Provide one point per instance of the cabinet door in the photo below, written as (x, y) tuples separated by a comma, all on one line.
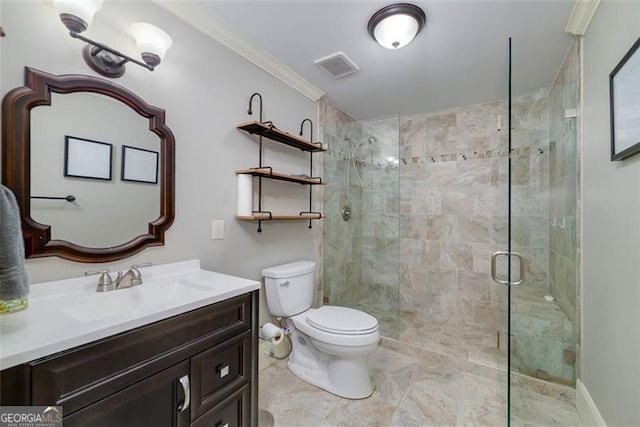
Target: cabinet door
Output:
[(233, 411), (154, 402)]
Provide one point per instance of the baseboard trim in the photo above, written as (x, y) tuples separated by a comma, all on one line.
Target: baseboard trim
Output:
[(586, 408)]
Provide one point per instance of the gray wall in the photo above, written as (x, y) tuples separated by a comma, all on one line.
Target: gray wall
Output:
[(611, 298), (204, 89)]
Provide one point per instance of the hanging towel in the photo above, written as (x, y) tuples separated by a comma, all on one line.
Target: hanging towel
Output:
[(13, 277)]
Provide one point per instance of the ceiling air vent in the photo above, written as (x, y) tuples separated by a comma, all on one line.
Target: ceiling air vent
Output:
[(337, 65)]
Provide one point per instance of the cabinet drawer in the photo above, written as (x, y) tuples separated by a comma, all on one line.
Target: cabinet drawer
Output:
[(86, 374), (218, 371), (234, 411)]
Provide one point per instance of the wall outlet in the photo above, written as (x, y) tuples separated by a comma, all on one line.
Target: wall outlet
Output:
[(217, 229)]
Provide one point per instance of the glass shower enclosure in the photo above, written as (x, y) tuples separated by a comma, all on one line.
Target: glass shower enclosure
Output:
[(422, 211), (361, 225)]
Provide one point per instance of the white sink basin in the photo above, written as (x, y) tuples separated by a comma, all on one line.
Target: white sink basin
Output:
[(67, 313), (147, 297)]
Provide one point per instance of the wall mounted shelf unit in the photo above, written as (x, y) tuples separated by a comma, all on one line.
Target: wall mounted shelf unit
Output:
[(267, 172), (266, 129)]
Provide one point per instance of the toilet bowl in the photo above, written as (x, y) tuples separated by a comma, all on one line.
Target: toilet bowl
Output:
[(330, 343)]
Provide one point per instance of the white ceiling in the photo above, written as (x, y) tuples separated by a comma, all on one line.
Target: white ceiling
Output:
[(459, 58)]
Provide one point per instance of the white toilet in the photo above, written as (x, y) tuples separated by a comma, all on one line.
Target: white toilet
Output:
[(330, 344)]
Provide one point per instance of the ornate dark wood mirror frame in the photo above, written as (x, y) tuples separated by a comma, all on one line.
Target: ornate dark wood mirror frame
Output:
[(16, 167)]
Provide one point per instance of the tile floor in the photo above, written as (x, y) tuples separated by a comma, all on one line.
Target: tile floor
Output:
[(415, 387)]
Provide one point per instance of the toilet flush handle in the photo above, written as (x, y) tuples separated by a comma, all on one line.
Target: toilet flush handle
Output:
[(286, 283)]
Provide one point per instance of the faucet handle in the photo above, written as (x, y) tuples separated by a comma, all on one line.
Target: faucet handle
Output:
[(144, 264), (105, 283), (137, 276)]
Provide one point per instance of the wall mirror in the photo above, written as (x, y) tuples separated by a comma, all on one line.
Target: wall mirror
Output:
[(100, 143)]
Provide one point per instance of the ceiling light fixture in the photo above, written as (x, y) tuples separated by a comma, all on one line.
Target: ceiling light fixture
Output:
[(394, 26), (152, 42)]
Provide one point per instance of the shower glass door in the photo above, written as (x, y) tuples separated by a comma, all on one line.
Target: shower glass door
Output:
[(538, 268), (507, 267)]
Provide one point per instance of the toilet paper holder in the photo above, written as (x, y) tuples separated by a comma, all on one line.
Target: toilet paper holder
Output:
[(272, 333)]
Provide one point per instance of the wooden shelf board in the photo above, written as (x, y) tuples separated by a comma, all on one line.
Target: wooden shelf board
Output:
[(268, 131), (268, 173), (264, 217)]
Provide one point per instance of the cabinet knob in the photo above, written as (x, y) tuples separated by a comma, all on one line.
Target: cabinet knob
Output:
[(223, 370)]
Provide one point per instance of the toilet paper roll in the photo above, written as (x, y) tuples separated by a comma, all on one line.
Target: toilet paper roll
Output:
[(245, 195), (277, 339), (271, 333)]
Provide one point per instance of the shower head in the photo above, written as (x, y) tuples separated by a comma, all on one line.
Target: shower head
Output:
[(369, 140)]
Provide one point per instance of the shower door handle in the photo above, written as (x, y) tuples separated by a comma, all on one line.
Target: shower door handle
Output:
[(521, 266)]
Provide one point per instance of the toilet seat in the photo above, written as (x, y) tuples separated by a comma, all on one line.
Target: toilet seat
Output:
[(350, 338), (342, 320)]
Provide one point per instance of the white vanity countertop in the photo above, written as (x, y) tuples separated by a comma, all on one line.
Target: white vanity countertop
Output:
[(68, 313)]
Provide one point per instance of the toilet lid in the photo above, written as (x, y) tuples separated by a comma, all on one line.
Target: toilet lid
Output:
[(342, 320)]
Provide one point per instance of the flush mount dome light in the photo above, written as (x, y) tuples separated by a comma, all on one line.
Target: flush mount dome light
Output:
[(394, 26)]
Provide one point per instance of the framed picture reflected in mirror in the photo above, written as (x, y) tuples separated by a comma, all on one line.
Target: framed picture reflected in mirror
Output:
[(139, 165), (85, 158)]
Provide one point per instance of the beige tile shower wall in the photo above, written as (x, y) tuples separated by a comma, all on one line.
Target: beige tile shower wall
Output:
[(453, 206)]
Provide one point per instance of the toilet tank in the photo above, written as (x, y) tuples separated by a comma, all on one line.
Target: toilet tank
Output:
[(289, 287)]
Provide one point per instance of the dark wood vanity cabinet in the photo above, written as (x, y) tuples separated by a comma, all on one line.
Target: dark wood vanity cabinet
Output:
[(198, 368)]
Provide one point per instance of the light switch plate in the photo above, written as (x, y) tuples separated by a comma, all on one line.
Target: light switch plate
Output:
[(217, 229)]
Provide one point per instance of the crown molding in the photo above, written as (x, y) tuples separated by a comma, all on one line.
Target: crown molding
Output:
[(204, 19), (581, 15)]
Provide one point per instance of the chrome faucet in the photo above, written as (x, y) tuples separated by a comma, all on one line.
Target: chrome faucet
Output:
[(105, 283), (132, 277), (126, 280)]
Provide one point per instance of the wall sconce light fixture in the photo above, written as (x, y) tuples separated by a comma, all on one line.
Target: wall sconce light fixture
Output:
[(152, 42), (394, 26)]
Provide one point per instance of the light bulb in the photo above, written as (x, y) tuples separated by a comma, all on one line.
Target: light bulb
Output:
[(396, 31), (83, 9), (152, 42)]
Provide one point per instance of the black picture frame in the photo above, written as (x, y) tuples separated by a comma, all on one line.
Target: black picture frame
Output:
[(86, 158), (624, 104), (139, 165)]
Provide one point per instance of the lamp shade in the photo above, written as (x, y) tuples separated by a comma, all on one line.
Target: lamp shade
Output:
[(150, 39), (396, 25), (83, 9)]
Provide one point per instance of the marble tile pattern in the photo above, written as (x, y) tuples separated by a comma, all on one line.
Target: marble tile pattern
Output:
[(564, 191), (453, 206), (342, 241), (380, 231), (453, 216), (360, 256), (417, 388), (416, 253)]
